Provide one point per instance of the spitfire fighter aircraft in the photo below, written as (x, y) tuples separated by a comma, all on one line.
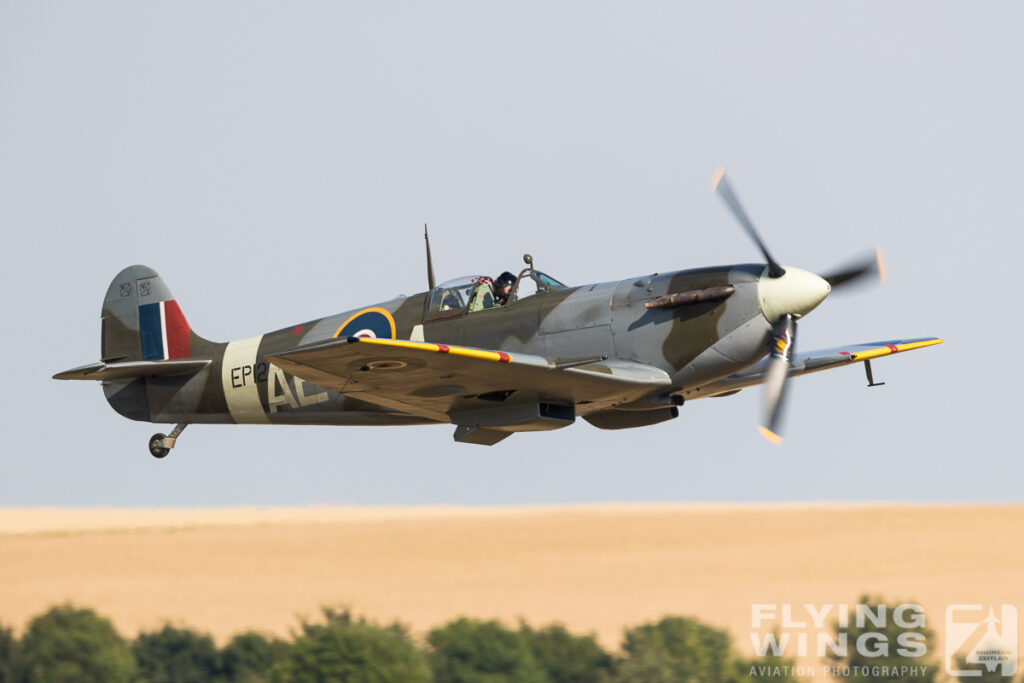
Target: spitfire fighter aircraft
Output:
[(534, 357)]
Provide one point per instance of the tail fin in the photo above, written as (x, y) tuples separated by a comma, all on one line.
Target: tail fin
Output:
[(142, 320)]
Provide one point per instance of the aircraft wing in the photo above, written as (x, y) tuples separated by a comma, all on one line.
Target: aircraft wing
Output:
[(812, 361), (437, 380)]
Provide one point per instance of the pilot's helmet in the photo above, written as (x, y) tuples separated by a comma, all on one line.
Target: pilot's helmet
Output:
[(504, 280)]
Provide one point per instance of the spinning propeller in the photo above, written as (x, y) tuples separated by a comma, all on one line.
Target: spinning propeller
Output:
[(787, 294)]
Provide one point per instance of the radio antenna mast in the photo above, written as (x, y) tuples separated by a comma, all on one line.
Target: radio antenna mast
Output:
[(430, 263)]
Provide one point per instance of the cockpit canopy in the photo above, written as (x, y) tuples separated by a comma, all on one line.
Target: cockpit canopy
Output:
[(453, 296), (473, 293)]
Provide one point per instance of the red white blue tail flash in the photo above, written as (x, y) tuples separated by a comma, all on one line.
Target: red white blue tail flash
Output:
[(164, 331)]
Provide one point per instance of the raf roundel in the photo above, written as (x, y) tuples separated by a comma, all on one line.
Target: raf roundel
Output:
[(369, 323)]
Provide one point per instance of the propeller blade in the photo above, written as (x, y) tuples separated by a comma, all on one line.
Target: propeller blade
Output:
[(868, 266), (783, 340), (725, 191)]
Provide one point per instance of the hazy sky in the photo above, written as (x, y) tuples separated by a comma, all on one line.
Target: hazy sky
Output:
[(275, 162)]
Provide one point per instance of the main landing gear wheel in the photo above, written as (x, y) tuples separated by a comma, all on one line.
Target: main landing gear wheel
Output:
[(160, 445), (156, 446)]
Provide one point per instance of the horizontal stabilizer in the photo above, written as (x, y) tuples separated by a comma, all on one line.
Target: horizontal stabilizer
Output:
[(134, 369)]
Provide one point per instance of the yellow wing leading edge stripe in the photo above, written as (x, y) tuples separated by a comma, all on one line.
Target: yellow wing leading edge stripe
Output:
[(465, 352), (502, 357), (889, 349)]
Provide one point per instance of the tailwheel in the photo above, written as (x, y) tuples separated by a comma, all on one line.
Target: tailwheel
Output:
[(156, 446), (160, 444)]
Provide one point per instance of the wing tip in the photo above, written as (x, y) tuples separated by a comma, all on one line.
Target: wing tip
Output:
[(770, 435), (910, 346)]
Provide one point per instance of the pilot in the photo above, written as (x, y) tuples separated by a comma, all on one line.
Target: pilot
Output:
[(503, 287)]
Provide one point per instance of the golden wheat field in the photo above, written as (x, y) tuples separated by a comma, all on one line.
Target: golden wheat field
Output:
[(595, 568)]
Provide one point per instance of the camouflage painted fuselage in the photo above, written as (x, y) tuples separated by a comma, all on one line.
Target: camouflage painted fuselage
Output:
[(694, 344)]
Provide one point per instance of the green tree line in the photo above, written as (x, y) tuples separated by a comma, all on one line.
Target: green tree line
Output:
[(74, 644)]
